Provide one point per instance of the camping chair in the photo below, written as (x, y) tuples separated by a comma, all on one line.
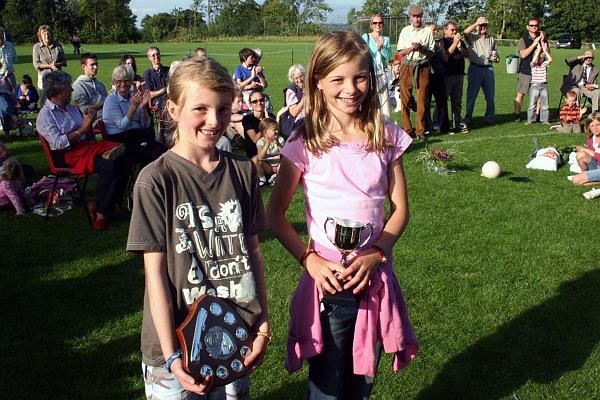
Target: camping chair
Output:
[(58, 168), (562, 96)]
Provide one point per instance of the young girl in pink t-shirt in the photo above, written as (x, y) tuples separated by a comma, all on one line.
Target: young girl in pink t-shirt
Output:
[(347, 160)]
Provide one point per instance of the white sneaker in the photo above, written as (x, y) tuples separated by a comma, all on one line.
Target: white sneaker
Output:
[(592, 194)]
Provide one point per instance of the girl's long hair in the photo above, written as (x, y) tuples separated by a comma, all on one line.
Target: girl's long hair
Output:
[(332, 50), (204, 71)]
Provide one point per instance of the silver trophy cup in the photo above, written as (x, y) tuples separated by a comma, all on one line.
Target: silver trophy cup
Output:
[(347, 235)]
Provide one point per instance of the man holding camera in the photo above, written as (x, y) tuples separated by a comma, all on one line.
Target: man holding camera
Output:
[(416, 45), (527, 46), (582, 78)]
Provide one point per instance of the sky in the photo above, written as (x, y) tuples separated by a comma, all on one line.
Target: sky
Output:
[(143, 7)]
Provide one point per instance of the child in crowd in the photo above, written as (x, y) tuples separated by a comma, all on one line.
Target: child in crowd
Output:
[(588, 158), (27, 95), (570, 115), (539, 84), (248, 75), (347, 161), (394, 85), (268, 147), (177, 199), (11, 186)]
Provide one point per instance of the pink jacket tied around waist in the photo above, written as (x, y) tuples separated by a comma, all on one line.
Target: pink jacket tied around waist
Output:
[(382, 316)]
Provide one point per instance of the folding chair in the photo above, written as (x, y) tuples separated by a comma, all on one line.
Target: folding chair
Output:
[(58, 168)]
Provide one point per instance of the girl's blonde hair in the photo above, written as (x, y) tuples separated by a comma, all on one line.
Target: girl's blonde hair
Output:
[(265, 124), (11, 170), (204, 71), (332, 50), (595, 116), (41, 29)]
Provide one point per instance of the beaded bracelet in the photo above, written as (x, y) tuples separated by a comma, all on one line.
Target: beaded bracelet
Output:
[(268, 335)]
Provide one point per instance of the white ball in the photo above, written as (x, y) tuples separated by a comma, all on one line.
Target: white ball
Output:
[(491, 170)]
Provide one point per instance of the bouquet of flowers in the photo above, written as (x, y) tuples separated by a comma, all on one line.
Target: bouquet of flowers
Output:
[(437, 160)]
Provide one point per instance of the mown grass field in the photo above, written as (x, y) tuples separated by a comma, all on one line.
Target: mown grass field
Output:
[(501, 278)]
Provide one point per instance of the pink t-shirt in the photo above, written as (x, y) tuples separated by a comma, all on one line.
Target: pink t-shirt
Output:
[(346, 182)]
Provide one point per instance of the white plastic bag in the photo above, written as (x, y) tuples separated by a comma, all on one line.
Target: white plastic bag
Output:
[(573, 166), (545, 159)]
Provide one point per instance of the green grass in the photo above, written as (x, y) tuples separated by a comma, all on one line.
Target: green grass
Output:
[(500, 277)]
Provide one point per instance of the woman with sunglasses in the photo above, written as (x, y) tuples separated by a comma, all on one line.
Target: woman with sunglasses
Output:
[(250, 123), (381, 51)]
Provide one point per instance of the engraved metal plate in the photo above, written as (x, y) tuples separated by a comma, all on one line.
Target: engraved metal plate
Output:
[(219, 343), (222, 372), (229, 318), (215, 309), (237, 365), (241, 333), (244, 351), (205, 371)]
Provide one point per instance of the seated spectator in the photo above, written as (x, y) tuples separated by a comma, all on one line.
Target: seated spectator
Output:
[(268, 148), (12, 185), (570, 114), (582, 78), (293, 99), (88, 92), (130, 60), (126, 119), (251, 122), (27, 95), (588, 158), (248, 75), (8, 106), (156, 78), (70, 136)]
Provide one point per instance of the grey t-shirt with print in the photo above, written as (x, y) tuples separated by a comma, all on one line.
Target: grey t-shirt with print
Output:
[(203, 222)]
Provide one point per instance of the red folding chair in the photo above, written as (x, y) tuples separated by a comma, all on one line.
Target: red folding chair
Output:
[(59, 169)]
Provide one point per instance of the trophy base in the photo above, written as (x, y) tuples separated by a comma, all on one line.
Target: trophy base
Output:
[(343, 298)]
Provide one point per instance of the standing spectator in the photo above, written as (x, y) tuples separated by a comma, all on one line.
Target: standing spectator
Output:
[(200, 52), (454, 52), (437, 88), (76, 42), (156, 78), (48, 55), (89, 92), (582, 78), (482, 53), (27, 95), (527, 46), (416, 45), (7, 59), (538, 92), (381, 52)]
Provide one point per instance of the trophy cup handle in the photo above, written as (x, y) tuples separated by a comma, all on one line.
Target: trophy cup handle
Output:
[(370, 225), (325, 229)]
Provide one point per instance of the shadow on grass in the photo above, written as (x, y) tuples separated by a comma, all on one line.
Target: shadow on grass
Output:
[(541, 345), (291, 391), (74, 338)]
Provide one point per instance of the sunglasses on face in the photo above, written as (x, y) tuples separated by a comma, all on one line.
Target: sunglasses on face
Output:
[(534, 25), (588, 58), (377, 23), (261, 100)]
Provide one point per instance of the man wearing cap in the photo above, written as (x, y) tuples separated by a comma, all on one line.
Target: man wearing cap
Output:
[(416, 45), (582, 78), (527, 46), (482, 53)]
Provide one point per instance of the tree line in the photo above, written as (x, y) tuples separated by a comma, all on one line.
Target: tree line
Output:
[(112, 21)]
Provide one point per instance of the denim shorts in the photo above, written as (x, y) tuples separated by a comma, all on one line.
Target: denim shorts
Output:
[(161, 384)]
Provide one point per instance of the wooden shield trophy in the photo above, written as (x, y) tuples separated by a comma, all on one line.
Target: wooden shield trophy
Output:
[(214, 341)]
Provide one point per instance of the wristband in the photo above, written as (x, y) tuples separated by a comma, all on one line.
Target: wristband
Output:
[(268, 335), (170, 360), (305, 255), (379, 250)]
